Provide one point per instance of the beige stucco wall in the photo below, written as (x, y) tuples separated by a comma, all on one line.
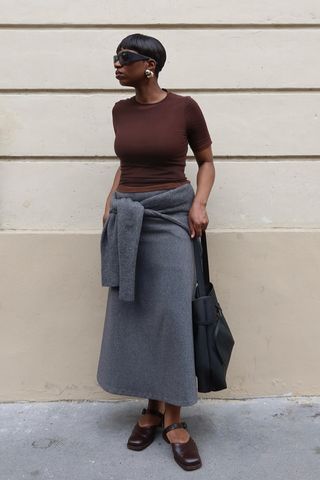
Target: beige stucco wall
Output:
[(254, 69)]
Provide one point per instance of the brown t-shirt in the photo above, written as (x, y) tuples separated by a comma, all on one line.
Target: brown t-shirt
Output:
[(151, 141)]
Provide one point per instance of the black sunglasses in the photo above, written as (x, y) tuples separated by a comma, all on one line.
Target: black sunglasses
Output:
[(124, 58)]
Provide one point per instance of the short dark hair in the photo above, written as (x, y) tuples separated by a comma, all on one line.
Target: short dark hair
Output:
[(146, 45)]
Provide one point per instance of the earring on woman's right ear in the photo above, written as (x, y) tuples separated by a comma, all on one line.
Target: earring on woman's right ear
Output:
[(148, 73)]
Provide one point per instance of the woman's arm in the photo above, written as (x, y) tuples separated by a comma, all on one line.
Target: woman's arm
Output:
[(108, 201), (198, 218)]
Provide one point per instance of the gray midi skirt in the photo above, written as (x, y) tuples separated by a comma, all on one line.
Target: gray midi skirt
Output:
[(147, 345)]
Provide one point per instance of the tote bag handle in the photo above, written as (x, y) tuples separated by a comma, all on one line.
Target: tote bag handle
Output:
[(202, 265)]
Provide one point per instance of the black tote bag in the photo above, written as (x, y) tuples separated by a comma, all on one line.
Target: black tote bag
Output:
[(213, 340)]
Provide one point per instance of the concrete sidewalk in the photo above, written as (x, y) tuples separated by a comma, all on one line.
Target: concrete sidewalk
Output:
[(265, 438)]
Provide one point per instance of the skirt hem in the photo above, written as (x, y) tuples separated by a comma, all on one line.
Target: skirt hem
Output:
[(155, 396)]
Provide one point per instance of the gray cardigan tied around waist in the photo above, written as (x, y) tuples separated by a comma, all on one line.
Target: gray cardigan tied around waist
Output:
[(121, 233)]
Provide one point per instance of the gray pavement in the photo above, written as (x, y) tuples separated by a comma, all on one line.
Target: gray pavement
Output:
[(265, 438)]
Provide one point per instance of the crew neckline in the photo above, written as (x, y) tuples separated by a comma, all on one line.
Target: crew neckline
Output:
[(154, 103)]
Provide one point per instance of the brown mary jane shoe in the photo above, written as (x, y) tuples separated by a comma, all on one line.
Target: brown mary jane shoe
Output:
[(185, 454), (142, 437)]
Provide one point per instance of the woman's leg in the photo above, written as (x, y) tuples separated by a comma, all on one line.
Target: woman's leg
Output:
[(148, 419), (172, 415)]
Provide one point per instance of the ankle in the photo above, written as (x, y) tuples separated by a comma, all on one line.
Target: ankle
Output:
[(157, 405), (169, 419)]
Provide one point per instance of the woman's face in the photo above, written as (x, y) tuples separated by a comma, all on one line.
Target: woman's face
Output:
[(132, 73)]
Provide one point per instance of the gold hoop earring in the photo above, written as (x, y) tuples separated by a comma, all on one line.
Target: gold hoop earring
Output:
[(148, 73)]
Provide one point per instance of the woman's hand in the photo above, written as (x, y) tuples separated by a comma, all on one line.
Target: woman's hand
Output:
[(197, 218)]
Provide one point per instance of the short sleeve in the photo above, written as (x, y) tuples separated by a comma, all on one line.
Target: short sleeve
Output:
[(197, 131)]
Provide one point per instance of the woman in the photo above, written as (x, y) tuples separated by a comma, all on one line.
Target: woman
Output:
[(151, 216)]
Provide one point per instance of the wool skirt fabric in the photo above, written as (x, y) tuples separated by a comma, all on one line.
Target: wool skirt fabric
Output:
[(147, 346)]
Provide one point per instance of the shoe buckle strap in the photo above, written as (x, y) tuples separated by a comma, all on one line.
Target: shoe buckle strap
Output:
[(171, 427)]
